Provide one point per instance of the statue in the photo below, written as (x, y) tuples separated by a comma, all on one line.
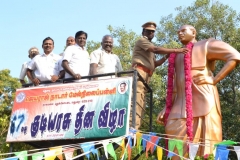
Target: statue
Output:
[(192, 111)]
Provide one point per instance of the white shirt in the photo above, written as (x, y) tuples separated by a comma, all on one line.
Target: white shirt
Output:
[(78, 60), (107, 62), (44, 66), (23, 72)]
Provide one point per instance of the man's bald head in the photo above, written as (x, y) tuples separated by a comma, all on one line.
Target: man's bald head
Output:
[(107, 36), (186, 34), (70, 41)]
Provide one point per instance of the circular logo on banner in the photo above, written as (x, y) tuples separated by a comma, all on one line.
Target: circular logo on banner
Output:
[(20, 97), (122, 87)]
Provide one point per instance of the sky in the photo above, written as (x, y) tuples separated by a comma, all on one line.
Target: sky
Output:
[(24, 24)]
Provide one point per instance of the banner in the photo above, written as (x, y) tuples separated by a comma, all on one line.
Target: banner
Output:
[(91, 109)]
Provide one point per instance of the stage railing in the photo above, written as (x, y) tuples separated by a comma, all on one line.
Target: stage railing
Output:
[(132, 73)]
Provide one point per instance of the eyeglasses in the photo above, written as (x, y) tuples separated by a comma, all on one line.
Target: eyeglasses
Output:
[(149, 31)]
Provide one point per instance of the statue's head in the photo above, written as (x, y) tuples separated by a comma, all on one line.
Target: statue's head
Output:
[(186, 34)]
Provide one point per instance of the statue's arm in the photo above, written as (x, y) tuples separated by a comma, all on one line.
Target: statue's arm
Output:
[(227, 68), (218, 50)]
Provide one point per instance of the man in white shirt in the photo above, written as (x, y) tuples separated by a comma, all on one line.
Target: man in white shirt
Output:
[(76, 59), (45, 66), (32, 52), (103, 60)]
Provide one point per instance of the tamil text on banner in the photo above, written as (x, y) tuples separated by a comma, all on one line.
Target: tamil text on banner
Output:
[(92, 109)]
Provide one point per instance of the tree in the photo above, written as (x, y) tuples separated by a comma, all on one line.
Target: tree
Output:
[(8, 86), (91, 46), (124, 45), (210, 20)]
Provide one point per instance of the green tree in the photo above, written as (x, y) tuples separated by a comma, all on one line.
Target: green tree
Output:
[(124, 42), (210, 20), (8, 86), (91, 46)]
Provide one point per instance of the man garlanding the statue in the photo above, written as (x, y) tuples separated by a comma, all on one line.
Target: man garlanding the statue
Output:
[(143, 60)]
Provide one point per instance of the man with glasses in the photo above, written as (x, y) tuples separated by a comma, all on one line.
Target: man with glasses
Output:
[(143, 60), (32, 52), (104, 60)]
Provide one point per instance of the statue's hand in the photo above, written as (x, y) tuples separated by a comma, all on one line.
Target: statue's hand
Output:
[(202, 79), (160, 117)]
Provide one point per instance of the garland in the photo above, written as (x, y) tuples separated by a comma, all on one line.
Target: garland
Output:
[(188, 89)]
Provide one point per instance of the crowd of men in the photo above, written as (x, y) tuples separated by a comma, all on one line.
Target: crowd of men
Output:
[(75, 62)]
